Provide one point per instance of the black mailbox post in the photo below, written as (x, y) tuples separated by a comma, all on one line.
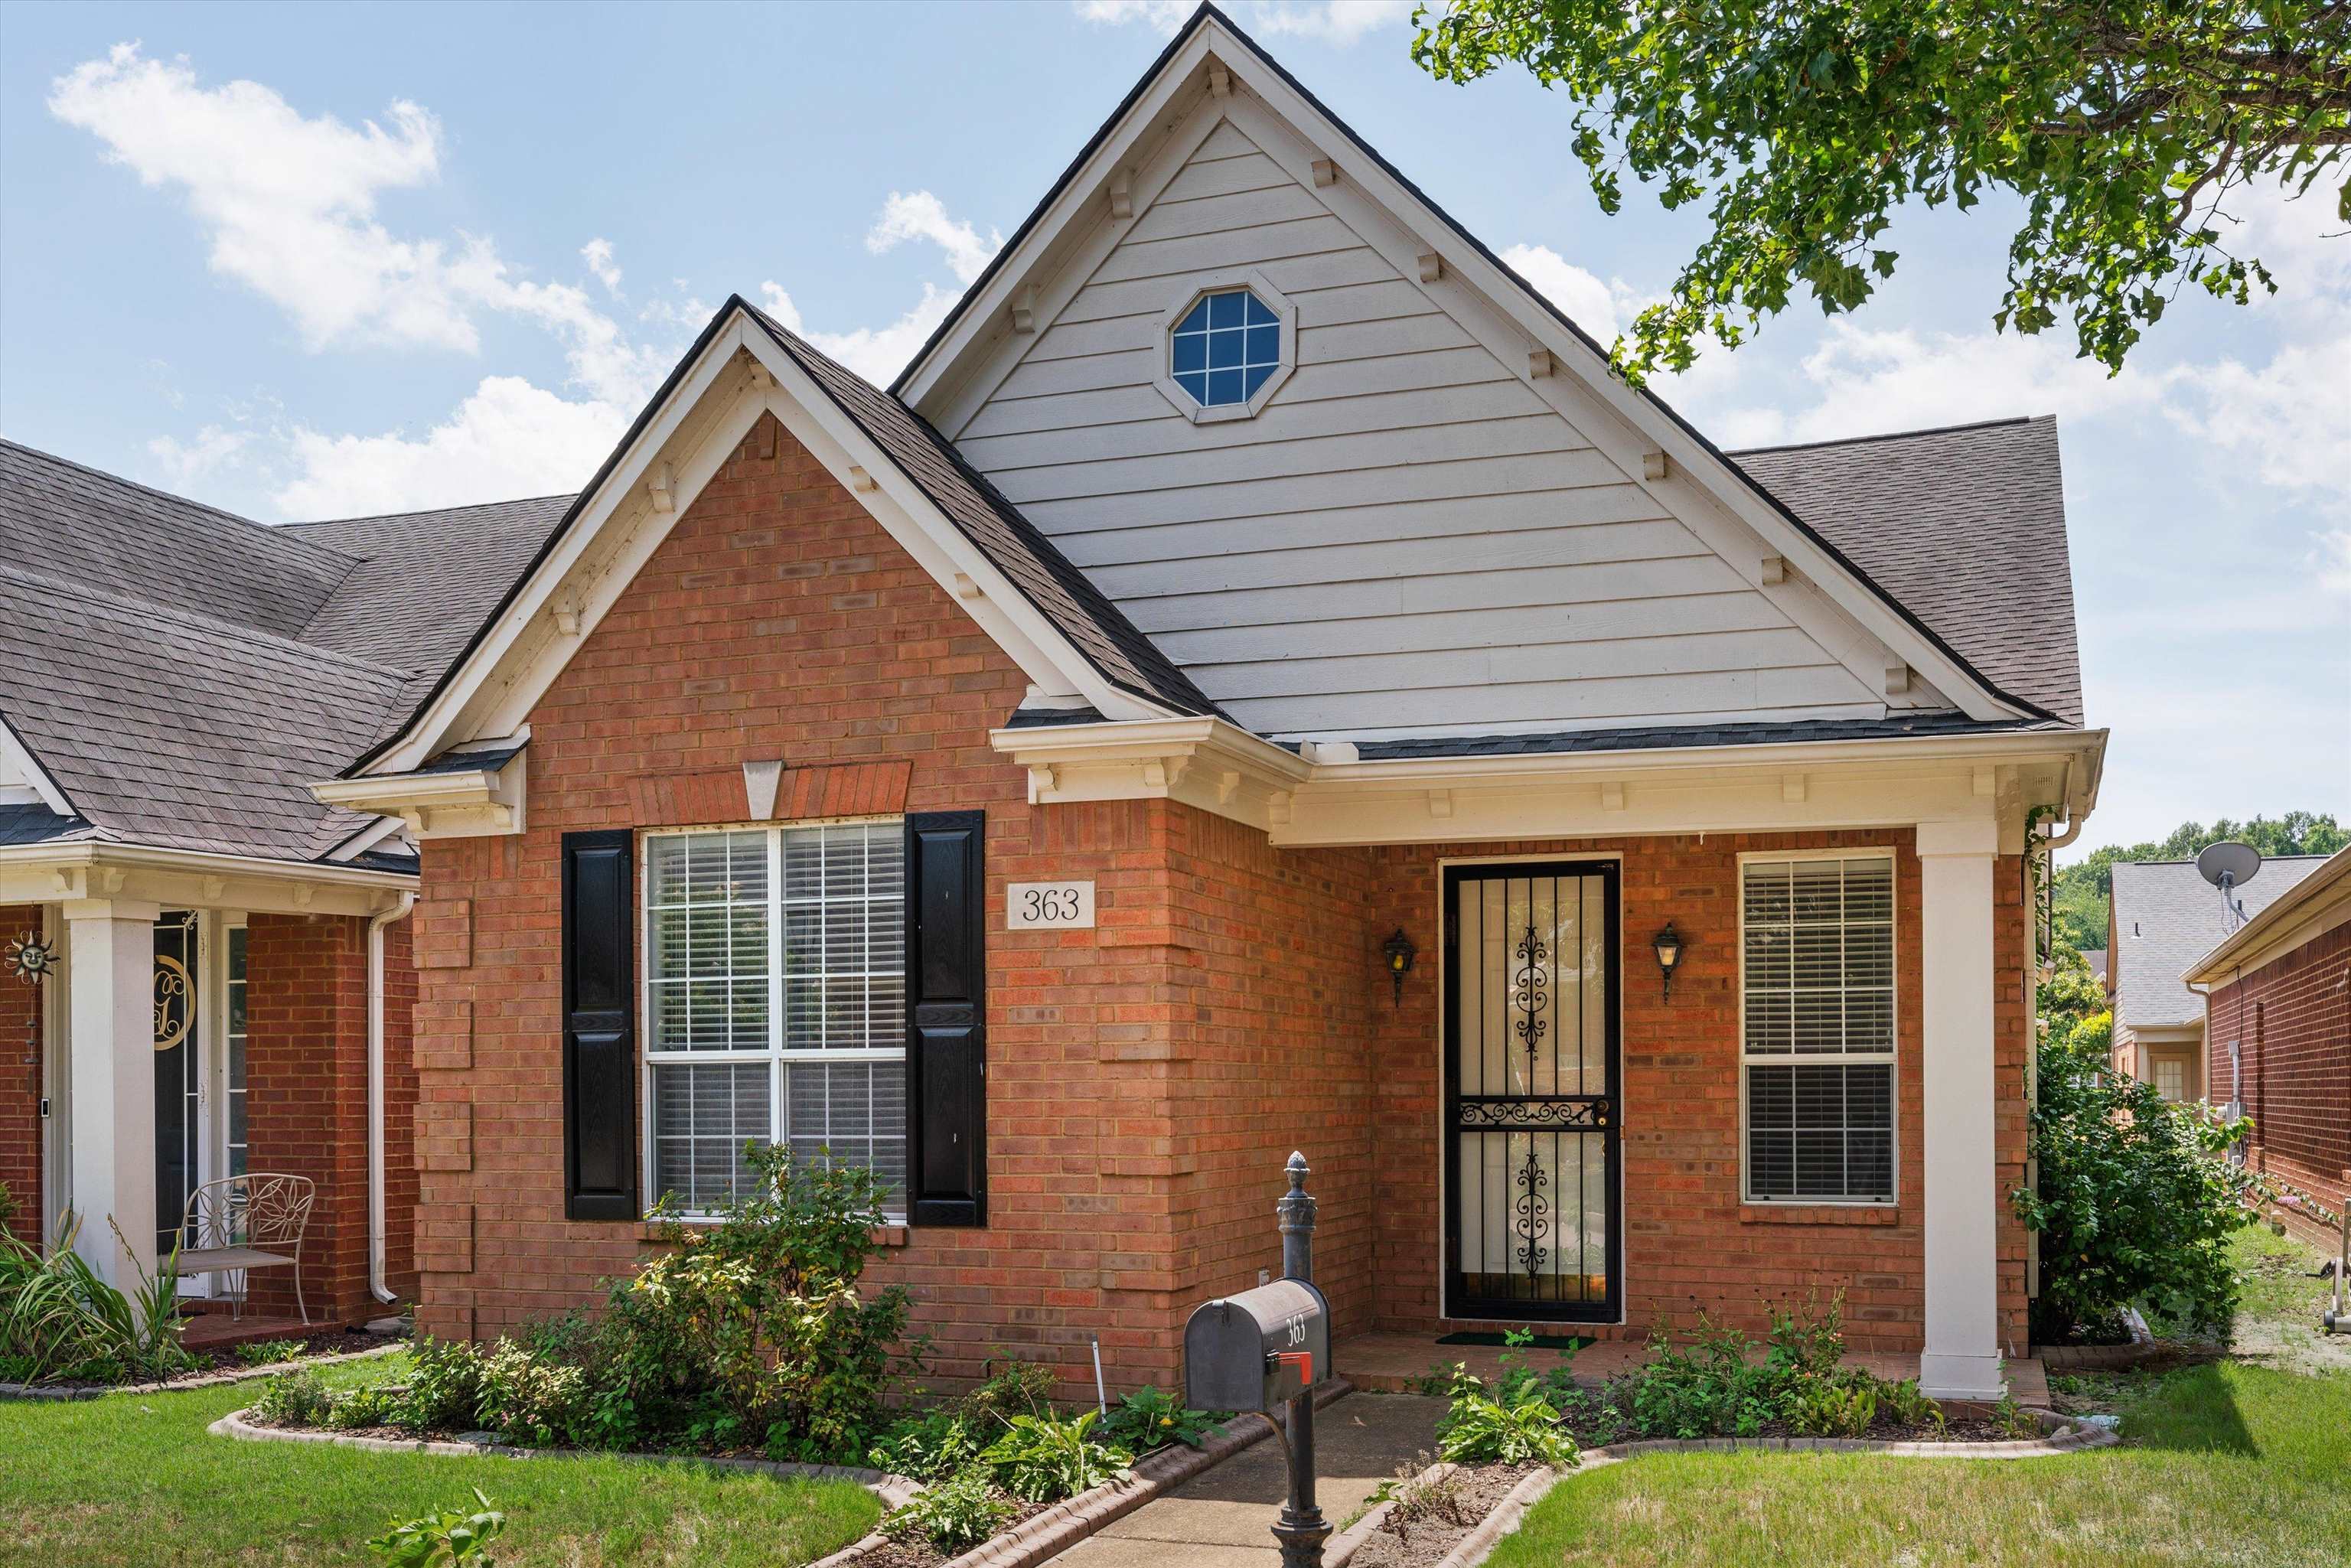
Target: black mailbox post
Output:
[(1270, 1346)]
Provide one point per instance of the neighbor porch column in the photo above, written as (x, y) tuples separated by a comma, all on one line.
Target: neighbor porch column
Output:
[(110, 984), (1962, 1359)]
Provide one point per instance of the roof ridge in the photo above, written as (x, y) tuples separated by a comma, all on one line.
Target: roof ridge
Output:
[(1887, 435), (274, 531), (235, 630), (565, 498)]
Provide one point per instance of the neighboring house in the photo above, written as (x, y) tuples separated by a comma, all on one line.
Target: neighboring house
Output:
[(2278, 1000), (2094, 959), (1256, 681), (234, 981), (2161, 917)]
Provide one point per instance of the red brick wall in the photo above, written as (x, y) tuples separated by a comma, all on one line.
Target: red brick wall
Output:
[(2296, 1029), (1145, 1080), (1689, 1242), (306, 1102), (20, 1089)]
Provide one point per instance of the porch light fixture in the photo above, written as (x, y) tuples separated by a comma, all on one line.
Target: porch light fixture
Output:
[(1399, 951), (1668, 947)]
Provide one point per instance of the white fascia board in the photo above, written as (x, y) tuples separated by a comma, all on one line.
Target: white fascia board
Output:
[(908, 515), (439, 724), (20, 770), (366, 839), (473, 802), (50, 874)]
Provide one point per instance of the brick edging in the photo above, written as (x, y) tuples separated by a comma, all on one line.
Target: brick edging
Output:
[(2063, 1434), (1073, 1519), (42, 1391), (893, 1490)]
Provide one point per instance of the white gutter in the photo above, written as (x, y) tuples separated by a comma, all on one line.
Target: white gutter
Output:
[(375, 1177)]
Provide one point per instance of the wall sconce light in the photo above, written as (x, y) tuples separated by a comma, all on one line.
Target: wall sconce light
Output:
[(1668, 946), (1400, 952)]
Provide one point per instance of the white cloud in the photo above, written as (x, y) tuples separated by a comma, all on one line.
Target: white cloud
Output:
[(508, 438), (1339, 22), (877, 353), (598, 254), (921, 215), (185, 463), (2330, 557), (1589, 303)]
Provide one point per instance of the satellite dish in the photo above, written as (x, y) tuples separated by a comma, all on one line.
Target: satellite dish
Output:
[(2228, 864)]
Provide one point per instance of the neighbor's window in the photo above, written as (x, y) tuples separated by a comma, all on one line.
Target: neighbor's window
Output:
[(775, 1002), (1224, 347), (1817, 1055)]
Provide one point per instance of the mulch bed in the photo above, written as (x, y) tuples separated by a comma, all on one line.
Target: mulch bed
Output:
[(917, 1551), (1457, 1505), (317, 1342)]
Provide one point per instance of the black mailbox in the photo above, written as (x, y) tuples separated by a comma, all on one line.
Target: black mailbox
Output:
[(1258, 1350)]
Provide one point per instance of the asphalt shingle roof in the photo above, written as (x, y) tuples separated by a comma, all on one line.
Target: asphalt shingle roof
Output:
[(2165, 918), (1966, 528)]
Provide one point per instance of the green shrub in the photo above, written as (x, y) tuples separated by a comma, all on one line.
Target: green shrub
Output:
[(378, 1404), (1149, 1418), (1906, 1406), (1832, 1408), (445, 1386), (294, 1399), (956, 1514), (452, 1537), (269, 1352), (1514, 1422), (928, 1447), (59, 1321), (531, 1401), (2135, 1200), (1041, 1458), (1012, 1387)]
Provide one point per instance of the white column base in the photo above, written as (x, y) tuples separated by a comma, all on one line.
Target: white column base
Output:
[(1945, 1376)]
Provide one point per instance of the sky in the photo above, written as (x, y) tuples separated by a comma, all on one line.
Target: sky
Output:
[(326, 261)]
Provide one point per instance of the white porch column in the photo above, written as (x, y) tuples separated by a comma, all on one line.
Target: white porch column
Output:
[(110, 981), (1961, 1360)]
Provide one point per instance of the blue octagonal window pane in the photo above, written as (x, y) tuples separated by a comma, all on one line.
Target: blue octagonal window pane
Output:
[(1225, 348)]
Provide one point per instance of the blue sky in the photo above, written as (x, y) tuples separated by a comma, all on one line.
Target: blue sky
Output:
[(308, 261)]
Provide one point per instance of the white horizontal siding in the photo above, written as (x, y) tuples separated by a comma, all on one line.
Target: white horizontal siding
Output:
[(1407, 535)]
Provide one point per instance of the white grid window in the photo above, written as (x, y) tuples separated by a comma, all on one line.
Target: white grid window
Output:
[(1817, 1027), (775, 1002)]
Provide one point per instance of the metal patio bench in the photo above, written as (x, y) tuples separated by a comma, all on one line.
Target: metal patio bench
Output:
[(241, 1223)]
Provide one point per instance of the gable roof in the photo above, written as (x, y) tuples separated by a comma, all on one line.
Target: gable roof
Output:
[(2167, 917), (1885, 612), (1966, 526), (180, 673)]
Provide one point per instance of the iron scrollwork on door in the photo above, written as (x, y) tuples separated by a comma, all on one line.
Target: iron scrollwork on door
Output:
[(1507, 1116)]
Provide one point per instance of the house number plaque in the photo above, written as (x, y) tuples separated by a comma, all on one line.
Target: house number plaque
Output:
[(1048, 905)]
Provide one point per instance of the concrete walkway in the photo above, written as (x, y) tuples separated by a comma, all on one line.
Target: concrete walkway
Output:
[(1224, 1518)]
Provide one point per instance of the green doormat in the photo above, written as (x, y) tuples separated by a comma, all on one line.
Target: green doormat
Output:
[(1541, 1340)]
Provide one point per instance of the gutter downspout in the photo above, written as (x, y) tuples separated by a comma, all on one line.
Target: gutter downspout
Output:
[(399, 911)]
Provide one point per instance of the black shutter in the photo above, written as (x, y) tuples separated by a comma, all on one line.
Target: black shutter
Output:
[(600, 1057), (947, 1018)]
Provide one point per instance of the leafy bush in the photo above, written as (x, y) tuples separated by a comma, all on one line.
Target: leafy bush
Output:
[(459, 1539), (1043, 1459), (1150, 1418), (1832, 1408), (1906, 1405), (445, 1386), (2135, 1200), (269, 1352), (530, 1400), (1515, 1422), (294, 1399), (59, 1321), (956, 1514), (379, 1404), (926, 1448)]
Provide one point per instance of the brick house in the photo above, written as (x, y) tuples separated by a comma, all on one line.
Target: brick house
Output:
[(2277, 998), (1254, 681)]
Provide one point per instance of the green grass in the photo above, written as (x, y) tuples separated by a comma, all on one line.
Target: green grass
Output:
[(136, 1479), (2240, 1461), (2221, 1464)]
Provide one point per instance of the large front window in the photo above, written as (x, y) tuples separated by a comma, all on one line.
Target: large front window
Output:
[(775, 1002), (1818, 1029)]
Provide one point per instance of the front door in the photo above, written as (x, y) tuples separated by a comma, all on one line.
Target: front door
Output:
[(178, 1075), (1532, 1015)]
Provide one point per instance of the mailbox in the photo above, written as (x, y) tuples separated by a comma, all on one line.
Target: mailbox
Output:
[(1258, 1350)]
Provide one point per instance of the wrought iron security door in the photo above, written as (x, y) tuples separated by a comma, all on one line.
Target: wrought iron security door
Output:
[(1530, 1095)]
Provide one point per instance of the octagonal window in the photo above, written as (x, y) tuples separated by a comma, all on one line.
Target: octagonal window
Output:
[(1225, 348)]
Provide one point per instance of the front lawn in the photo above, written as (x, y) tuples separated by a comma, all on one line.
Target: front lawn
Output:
[(2225, 1462), (135, 1480)]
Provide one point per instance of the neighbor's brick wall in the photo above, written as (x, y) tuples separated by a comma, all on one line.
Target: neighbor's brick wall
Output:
[(1689, 1242), (2295, 1027), (20, 1091), (306, 1102)]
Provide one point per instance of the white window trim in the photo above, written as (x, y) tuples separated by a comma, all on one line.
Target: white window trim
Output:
[(1892, 1059), (1163, 347), (775, 1055)]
